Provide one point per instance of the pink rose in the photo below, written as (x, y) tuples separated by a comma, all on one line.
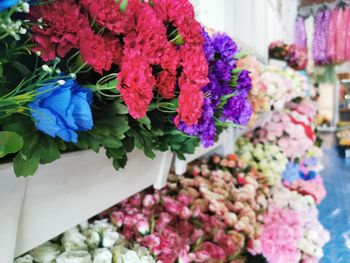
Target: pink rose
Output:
[(148, 201), (117, 218), (172, 206), (209, 252)]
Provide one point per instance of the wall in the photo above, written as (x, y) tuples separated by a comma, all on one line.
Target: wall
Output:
[(256, 23)]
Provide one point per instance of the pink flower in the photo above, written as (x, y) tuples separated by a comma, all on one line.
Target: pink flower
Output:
[(152, 242), (226, 242), (118, 218), (172, 206), (209, 252), (148, 201), (142, 226), (185, 213)]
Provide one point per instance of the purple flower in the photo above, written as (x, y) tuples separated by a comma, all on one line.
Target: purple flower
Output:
[(320, 42), (244, 82), (208, 46), (238, 109), (205, 129), (226, 48), (300, 33)]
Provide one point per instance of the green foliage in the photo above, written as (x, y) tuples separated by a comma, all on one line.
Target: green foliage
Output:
[(10, 142)]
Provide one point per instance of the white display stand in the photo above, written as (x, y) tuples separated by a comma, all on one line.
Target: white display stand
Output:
[(224, 146), (67, 192)]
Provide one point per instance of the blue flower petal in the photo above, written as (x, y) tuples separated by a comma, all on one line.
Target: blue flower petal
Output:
[(82, 112), (5, 4), (46, 121)]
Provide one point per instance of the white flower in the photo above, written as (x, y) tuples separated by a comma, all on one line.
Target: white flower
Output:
[(24, 259), (85, 224), (147, 259), (45, 253), (109, 238), (93, 238), (102, 255), (61, 82), (130, 257), (101, 225), (74, 240), (46, 68), (74, 257)]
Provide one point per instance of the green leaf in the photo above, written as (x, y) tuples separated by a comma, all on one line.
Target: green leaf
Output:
[(10, 142), (48, 150), (25, 166), (121, 108), (146, 121), (111, 142)]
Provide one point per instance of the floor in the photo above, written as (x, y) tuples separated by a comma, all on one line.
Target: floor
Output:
[(335, 209)]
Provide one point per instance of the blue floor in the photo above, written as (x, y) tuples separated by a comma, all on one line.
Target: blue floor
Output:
[(335, 209)]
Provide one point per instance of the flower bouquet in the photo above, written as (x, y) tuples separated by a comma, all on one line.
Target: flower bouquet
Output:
[(207, 215), (267, 157), (114, 75), (292, 232), (95, 242), (295, 56), (291, 131)]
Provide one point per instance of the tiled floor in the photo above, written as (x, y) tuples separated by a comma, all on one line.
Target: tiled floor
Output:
[(335, 209)]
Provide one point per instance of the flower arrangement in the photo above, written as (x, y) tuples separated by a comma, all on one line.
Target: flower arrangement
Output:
[(207, 215), (291, 131), (295, 56), (284, 85), (95, 242), (292, 232), (267, 157), (95, 74)]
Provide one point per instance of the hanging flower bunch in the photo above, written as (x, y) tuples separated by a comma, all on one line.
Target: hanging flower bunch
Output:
[(95, 242), (227, 91), (304, 239), (114, 74), (267, 157), (300, 33), (207, 215), (321, 34)]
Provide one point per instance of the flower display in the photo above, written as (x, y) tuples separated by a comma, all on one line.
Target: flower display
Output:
[(117, 75), (292, 131), (268, 158), (220, 51), (295, 56), (207, 215), (95, 242)]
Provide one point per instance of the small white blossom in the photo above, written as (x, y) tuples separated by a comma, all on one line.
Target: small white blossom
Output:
[(61, 82)]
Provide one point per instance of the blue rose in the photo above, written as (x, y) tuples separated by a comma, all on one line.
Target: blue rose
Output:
[(4, 4), (291, 172), (61, 110)]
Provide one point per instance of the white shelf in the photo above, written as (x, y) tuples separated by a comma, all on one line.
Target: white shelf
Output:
[(67, 192)]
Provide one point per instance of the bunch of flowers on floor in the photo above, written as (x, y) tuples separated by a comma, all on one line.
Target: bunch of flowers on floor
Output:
[(208, 215), (267, 157), (117, 75), (95, 242), (292, 232)]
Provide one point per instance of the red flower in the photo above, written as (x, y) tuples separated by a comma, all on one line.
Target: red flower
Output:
[(136, 83), (195, 66), (108, 14), (96, 50), (190, 105), (166, 84), (170, 242), (209, 252), (149, 35), (62, 22), (170, 60), (227, 243)]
